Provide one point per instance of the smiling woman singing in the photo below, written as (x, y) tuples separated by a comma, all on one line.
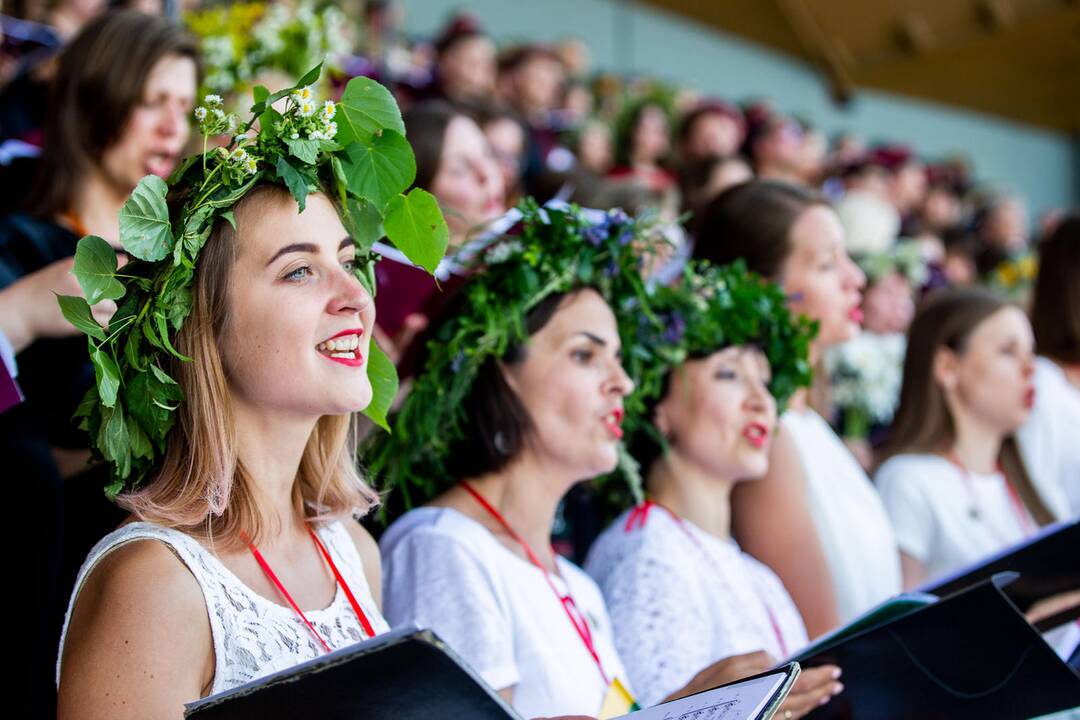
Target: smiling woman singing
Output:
[(225, 387)]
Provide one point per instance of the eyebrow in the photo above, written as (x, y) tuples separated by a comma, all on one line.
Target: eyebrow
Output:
[(306, 247), (596, 339)]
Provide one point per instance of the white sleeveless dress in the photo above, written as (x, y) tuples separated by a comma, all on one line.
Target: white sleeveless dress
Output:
[(253, 636)]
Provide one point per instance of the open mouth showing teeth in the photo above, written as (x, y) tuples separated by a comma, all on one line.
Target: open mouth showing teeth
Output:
[(757, 434), (343, 348), (612, 421)]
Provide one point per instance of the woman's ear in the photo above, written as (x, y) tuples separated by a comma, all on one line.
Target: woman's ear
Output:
[(661, 419), (946, 369)]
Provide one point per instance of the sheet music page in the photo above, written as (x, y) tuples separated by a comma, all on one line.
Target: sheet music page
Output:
[(742, 701)]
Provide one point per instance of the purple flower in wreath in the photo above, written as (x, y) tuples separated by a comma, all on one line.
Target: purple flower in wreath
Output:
[(596, 234), (618, 216), (675, 328)]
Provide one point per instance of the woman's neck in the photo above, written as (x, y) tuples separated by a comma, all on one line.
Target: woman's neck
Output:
[(270, 449), (976, 446), (527, 497), (97, 208), (692, 493)]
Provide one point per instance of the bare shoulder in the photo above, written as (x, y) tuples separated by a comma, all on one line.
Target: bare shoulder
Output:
[(138, 600), (369, 555)]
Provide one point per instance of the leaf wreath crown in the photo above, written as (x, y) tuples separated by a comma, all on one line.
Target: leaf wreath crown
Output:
[(710, 309), (551, 250), (354, 150)]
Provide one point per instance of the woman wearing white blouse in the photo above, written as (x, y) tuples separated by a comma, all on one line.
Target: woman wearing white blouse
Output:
[(955, 485), (814, 515), (679, 590)]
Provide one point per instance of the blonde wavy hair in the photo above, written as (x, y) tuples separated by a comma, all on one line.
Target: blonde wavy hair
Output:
[(202, 486)]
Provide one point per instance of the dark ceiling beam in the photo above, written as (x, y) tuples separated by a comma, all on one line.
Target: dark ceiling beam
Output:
[(824, 51)]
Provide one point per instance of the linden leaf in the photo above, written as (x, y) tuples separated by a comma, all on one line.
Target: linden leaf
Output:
[(416, 226), (294, 181), (107, 374), (365, 108), (144, 221), (310, 76), (384, 386), (363, 223), (381, 170), (306, 151), (77, 312)]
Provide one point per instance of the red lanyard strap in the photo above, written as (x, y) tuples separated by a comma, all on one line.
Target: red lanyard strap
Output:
[(638, 517), (573, 613), (364, 623)]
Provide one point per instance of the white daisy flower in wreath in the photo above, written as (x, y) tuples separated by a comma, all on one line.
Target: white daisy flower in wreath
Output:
[(200, 113), (212, 100), (307, 108)]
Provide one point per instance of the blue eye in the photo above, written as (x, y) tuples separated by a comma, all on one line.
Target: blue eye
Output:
[(582, 356), (724, 374), (300, 273), (349, 265)]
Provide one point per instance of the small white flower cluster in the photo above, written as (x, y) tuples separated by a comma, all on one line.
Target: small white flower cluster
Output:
[(316, 124), (240, 159), (866, 374), (212, 118)]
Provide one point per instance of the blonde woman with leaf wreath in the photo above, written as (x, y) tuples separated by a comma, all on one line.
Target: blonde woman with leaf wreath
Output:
[(225, 386)]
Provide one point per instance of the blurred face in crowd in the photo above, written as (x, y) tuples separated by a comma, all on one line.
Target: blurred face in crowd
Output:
[(299, 324), (157, 129), (941, 209), (467, 69), (888, 305), (572, 385), (1007, 226), (820, 279), (713, 134), (781, 147), (812, 157), (507, 141), (908, 187), (719, 415), (468, 184), (990, 378), (732, 171), (652, 139), (538, 84), (595, 150), (578, 103)]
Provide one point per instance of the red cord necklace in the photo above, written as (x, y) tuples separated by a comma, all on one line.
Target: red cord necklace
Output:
[(364, 623), (577, 619)]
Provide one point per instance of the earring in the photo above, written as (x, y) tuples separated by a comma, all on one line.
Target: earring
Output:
[(499, 441)]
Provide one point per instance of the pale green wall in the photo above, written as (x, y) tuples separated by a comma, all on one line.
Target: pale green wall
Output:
[(1043, 165)]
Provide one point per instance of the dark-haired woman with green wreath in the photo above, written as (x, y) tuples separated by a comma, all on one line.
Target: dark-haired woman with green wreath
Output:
[(226, 384), (523, 396), (680, 592)]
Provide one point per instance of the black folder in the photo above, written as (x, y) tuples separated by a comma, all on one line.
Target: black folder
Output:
[(406, 674), (970, 655), (410, 674), (1048, 563)]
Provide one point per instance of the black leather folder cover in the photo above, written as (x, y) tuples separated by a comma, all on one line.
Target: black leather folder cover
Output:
[(406, 674), (1048, 563), (971, 655)]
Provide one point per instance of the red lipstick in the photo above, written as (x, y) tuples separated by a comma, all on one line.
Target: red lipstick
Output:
[(612, 421)]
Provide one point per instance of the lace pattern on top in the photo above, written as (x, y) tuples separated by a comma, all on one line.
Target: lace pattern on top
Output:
[(253, 636)]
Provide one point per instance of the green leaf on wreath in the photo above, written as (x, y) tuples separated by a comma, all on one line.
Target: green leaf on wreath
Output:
[(384, 386), (95, 269), (144, 221), (294, 181), (417, 228), (381, 170), (306, 151), (365, 108), (77, 312), (363, 222), (107, 374)]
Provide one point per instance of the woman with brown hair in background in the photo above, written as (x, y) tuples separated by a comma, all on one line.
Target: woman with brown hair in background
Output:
[(814, 518), (953, 482), (1048, 439)]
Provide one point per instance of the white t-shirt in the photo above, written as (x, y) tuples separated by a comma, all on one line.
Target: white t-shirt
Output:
[(851, 521), (1050, 440), (680, 602), (944, 520), (444, 570)]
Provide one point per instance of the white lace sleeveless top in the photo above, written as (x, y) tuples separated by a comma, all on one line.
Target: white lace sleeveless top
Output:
[(253, 636)]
